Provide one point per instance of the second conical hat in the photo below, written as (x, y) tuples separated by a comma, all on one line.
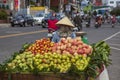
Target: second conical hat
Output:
[(65, 21)]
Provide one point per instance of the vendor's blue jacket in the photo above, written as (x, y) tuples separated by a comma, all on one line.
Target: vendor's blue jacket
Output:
[(56, 37)]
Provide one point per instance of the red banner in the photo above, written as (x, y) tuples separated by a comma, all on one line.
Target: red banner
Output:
[(16, 4), (4, 1), (98, 2)]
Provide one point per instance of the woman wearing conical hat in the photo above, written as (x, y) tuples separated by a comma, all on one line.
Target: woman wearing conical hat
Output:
[(65, 30)]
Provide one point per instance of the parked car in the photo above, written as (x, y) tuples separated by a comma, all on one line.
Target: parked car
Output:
[(29, 20), (44, 22), (38, 17), (60, 15), (17, 20)]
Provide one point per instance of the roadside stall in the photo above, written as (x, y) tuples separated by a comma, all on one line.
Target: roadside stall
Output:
[(69, 59), (64, 58)]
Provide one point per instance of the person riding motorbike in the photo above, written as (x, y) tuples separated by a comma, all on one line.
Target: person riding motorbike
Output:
[(52, 25), (88, 19), (78, 21), (98, 21), (113, 20)]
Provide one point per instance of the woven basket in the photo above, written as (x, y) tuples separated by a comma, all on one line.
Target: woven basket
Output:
[(29, 76)]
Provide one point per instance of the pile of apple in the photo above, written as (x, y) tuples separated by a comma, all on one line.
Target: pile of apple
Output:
[(41, 46), (62, 62), (72, 46), (50, 56), (21, 62), (47, 62)]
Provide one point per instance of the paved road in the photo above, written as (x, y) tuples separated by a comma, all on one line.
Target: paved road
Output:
[(12, 38)]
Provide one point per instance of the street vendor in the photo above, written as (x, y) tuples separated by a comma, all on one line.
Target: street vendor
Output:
[(65, 30)]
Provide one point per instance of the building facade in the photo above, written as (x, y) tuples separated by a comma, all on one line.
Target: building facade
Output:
[(113, 3)]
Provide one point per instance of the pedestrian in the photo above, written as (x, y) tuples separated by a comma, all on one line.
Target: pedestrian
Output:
[(78, 21), (65, 30)]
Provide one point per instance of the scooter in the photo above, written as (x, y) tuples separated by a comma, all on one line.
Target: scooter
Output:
[(97, 25), (87, 24), (113, 24), (50, 33)]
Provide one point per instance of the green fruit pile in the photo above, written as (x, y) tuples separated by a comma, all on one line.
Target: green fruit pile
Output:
[(22, 62), (48, 62)]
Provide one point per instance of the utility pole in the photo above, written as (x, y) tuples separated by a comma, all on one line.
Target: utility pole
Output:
[(61, 6), (11, 5), (28, 6)]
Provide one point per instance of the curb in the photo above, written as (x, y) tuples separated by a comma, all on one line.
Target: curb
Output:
[(5, 25)]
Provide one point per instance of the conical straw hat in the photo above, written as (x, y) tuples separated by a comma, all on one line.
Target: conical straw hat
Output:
[(65, 21)]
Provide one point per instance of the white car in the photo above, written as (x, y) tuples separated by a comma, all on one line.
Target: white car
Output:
[(38, 17)]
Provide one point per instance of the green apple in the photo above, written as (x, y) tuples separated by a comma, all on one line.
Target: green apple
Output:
[(18, 57)]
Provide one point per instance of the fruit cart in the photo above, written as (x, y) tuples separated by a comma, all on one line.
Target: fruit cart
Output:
[(69, 59)]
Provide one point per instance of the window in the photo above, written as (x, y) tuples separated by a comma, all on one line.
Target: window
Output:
[(111, 2), (118, 3)]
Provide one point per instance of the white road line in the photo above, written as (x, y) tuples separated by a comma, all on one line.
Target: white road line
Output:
[(111, 36), (20, 34), (115, 48), (114, 44)]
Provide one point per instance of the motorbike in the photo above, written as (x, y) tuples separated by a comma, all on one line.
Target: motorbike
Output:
[(87, 24), (97, 24), (113, 24), (50, 33)]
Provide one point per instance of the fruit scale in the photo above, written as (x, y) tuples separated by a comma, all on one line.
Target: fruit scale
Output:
[(82, 35)]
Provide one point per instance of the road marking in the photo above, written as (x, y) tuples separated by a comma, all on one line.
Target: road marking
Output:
[(20, 34), (114, 44), (115, 48), (111, 36)]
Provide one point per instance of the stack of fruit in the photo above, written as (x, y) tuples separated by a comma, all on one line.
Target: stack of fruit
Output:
[(41, 46), (21, 62), (47, 56), (67, 56), (72, 46), (48, 62)]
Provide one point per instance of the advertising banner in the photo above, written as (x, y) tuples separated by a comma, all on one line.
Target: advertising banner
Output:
[(16, 4), (98, 2)]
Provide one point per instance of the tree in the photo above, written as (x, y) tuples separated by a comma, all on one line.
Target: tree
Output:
[(115, 11)]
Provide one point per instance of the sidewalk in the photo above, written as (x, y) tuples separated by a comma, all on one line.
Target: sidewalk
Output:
[(4, 24)]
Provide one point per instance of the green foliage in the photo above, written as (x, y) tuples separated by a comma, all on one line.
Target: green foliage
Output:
[(32, 3), (56, 9), (100, 56), (24, 47), (115, 11), (3, 15)]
